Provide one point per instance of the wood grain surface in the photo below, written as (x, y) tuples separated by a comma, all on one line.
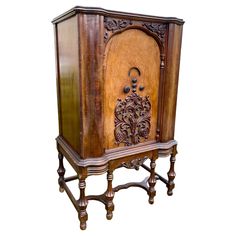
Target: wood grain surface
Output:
[(68, 92), (131, 48), (171, 82)]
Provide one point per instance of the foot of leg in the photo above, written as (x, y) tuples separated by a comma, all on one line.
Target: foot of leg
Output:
[(171, 173), (109, 196), (82, 203), (61, 172)]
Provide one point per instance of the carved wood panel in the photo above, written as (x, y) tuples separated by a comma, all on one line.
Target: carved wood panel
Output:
[(134, 164), (157, 28), (113, 25), (131, 74), (132, 119)]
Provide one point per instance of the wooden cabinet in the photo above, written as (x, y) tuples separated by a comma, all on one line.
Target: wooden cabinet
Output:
[(117, 78)]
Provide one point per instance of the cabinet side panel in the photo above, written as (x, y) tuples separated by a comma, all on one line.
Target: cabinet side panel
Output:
[(171, 81), (68, 67), (91, 64), (57, 78)]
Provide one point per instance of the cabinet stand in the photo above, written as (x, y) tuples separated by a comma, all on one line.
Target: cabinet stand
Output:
[(148, 184)]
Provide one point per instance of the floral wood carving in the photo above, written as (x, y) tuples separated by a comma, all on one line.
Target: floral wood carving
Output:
[(159, 29), (134, 164), (132, 119), (113, 25)]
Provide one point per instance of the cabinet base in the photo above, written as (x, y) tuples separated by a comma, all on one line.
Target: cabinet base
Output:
[(106, 198), (131, 158)]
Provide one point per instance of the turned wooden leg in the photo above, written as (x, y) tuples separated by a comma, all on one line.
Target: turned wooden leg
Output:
[(171, 174), (109, 196), (82, 203), (61, 172), (152, 181)]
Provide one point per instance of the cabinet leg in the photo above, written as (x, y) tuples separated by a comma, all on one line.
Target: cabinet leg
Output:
[(82, 203), (171, 173), (109, 196), (152, 182), (61, 172)]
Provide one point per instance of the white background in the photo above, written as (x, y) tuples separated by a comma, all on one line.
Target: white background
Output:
[(204, 199)]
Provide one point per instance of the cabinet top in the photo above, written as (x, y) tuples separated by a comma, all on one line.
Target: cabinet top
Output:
[(104, 12)]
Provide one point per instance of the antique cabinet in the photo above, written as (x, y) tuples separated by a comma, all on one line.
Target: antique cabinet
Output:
[(117, 78)]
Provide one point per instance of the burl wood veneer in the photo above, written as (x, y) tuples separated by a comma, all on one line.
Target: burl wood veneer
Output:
[(117, 79)]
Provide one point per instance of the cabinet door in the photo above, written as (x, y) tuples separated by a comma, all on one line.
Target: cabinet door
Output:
[(131, 85)]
